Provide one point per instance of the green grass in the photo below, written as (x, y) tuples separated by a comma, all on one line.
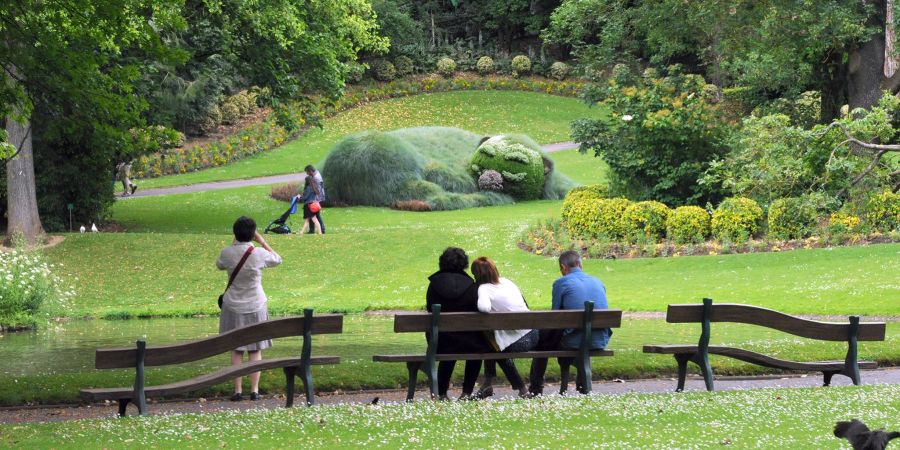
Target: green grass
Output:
[(545, 118), (762, 418), (54, 368), (375, 258)]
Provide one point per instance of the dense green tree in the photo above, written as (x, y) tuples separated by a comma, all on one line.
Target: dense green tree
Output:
[(774, 46)]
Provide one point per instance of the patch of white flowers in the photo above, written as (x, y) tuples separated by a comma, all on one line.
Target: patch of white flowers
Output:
[(28, 282)]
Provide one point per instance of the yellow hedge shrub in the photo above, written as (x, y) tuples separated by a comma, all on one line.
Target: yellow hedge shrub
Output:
[(883, 211), (736, 219), (611, 217), (647, 219), (688, 224)]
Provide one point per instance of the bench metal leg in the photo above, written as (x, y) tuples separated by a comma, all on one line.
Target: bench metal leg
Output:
[(289, 374), (705, 370), (827, 377), (413, 368), (306, 376), (682, 360), (123, 406), (564, 364)]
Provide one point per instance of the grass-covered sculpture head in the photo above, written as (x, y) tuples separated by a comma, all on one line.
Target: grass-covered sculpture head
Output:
[(436, 166)]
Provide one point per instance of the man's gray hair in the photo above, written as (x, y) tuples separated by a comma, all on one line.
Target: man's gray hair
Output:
[(570, 259)]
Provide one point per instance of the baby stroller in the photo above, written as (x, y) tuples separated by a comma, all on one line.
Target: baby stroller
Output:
[(279, 225)]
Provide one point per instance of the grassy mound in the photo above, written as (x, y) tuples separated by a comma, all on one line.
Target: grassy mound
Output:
[(430, 165)]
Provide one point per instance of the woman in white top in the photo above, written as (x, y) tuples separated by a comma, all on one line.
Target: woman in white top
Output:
[(496, 294), (244, 302)]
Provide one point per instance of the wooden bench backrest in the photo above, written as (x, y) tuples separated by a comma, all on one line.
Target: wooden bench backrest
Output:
[(114, 358), (471, 321), (754, 315)]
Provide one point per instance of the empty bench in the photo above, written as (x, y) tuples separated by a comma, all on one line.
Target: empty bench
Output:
[(706, 313), (435, 322), (143, 356)]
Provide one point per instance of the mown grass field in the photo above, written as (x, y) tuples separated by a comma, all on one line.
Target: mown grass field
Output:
[(763, 418), (544, 117)]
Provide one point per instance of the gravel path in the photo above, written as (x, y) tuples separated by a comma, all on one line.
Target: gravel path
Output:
[(293, 177), (616, 387)]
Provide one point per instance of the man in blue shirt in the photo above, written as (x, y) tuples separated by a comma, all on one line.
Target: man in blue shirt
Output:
[(570, 292)]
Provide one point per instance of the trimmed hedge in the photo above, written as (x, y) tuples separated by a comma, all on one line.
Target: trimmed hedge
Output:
[(404, 65), (646, 219), (792, 218), (559, 70), (446, 67), (485, 65), (736, 219), (883, 211), (688, 224), (385, 71), (521, 65), (268, 134)]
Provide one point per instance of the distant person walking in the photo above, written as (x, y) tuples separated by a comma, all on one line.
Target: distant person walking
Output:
[(245, 302), (123, 169), (312, 172), (311, 206)]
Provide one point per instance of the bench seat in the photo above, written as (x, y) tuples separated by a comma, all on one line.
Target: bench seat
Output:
[(484, 356), (209, 379), (756, 358)]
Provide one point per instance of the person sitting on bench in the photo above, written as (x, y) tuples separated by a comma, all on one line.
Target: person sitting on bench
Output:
[(496, 294), (569, 292)]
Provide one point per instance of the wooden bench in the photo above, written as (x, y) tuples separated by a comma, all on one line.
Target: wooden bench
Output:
[(435, 322), (142, 356), (727, 312)]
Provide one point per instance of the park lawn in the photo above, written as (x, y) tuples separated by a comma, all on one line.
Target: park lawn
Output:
[(56, 375), (760, 418), (545, 118), (377, 259)]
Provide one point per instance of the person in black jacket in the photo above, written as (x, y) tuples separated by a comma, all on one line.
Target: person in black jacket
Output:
[(453, 289)]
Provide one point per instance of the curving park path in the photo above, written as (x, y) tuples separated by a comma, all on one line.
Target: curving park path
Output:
[(287, 178)]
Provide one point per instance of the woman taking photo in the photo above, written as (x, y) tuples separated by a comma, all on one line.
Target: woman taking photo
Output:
[(244, 302), (497, 294)]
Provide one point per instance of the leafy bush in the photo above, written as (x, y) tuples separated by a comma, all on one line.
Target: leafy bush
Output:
[(385, 70), (659, 138), (621, 74), (28, 283), (231, 113), (354, 71), (446, 67), (446, 201), (559, 70), (580, 214), (804, 110), (688, 224), (792, 218), (242, 101), (518, 159), (521, 65), (150, 139), (736, 219), (841, 226), (404, 65), (485, 65), (611, 221), (646, 219), (210, 122), (883, 211)]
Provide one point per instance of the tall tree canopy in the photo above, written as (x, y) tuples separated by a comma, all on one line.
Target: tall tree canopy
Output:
[(776, 46)]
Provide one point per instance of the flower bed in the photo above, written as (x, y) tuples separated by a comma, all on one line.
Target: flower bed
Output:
[(268, 134)]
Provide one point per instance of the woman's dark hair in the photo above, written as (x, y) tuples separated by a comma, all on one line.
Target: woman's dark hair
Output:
[(454, 259), (244, 229), (311, 182), (485, 271)]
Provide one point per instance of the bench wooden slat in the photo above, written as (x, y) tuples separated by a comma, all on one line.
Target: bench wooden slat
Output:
[(114, 358), (753, 315), (210, 379), (477, 356), (757, 358), (543, 320)]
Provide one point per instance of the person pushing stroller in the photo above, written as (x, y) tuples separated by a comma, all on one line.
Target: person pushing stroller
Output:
[(310, 197)]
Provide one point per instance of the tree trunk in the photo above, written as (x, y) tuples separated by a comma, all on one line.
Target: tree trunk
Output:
[(24, 220), (866, 71), (833, 76)]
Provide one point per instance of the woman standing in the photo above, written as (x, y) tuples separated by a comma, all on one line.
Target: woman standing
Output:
[(244, 302), (497, 294), (311, 194)]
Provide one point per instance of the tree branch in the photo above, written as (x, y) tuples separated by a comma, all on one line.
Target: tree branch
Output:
[(853, 140)]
